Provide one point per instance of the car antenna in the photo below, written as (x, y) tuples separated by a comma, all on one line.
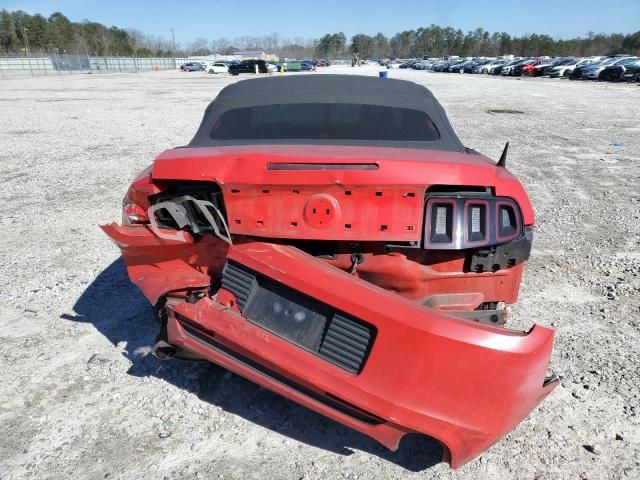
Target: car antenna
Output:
[(503, 158)]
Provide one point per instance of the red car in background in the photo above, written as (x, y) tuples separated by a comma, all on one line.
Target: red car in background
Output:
[(536, 68), (527, 67), (331, 239)]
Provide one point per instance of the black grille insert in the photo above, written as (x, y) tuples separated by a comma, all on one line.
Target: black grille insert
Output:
[(239, 281), (346, 343)]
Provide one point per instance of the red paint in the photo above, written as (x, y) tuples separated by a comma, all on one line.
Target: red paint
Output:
[(463, 383), (321, 211), (429, 371), (401, 171)]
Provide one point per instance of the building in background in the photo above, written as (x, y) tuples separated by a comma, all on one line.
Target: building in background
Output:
[(256, 55)]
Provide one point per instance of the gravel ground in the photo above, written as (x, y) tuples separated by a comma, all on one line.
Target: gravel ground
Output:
[(80, 397)]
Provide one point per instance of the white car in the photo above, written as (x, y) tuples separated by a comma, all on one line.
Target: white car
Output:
[(217, 67), (490, 67), (565, 69)]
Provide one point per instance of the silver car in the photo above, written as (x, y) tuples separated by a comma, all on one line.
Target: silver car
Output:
[(592, 72), (481, 66)]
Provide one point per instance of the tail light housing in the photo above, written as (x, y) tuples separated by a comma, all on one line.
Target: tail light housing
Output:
[(136, 202), (133, 213), (461, 222)]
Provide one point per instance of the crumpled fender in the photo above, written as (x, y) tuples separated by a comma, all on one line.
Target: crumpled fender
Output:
[(157, 265)]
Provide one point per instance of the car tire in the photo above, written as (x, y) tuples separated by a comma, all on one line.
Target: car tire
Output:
[(461, 70), (235, 72), (566, 74), (484, 70)]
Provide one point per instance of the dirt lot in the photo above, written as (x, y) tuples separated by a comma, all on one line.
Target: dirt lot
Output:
[(80, 397)]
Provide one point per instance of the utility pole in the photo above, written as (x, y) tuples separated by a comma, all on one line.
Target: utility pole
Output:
[(173, 39), (26, 45)]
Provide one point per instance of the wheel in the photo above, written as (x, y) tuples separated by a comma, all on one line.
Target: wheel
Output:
[(566, 74), (461, 70), (484, 70), (234, 72)]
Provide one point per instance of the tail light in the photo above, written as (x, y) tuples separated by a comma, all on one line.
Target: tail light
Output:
[(508, 221), (456, 223), (132, 212), (136, 202)]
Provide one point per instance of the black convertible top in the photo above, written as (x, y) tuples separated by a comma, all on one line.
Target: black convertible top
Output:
[(307, 90)]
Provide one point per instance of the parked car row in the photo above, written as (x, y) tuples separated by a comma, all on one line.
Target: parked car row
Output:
[(606, 68), (236, 67), (209, 67)]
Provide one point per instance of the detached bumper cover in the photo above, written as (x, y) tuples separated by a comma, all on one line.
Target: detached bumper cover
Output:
[(403, 367)]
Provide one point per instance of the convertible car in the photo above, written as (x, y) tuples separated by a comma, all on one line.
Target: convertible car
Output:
[(331, 239)]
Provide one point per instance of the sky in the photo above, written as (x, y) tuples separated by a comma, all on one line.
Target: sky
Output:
[(311, 19)]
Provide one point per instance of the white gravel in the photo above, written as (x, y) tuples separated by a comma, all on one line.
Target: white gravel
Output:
[(80, 397)]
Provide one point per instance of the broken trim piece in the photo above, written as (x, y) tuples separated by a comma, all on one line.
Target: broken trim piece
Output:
[(176, 209)]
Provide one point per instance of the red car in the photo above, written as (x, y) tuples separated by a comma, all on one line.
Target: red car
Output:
[(331, 239)]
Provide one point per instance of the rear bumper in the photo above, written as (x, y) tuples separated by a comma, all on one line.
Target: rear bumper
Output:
[(463, 383)]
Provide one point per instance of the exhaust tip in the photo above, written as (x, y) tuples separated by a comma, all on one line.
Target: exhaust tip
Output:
[(163, 350)]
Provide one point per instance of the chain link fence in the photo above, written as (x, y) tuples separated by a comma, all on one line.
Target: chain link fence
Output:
[(66, 63)]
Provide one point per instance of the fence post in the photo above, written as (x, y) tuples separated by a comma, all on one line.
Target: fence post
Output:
[(106, 64), (1, 68), (68, 62), (135, 64), (29, 60), (79, 64), (44, 66)]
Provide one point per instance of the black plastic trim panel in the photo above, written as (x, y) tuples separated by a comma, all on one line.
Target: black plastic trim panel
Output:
[(346, 343), (331, 334), (239, 282), (503, 256)]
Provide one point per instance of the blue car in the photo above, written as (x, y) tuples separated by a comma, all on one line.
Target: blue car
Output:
[(308, 66)]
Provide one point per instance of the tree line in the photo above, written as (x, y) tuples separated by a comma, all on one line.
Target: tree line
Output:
[(436, 41), (20, 30)]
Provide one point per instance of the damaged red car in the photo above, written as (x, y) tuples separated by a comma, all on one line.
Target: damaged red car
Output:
[(331, 239)]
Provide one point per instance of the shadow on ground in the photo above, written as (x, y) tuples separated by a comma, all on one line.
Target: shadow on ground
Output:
[(119, 311)]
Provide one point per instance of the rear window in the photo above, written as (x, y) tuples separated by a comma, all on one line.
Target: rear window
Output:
[(325, 121)]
